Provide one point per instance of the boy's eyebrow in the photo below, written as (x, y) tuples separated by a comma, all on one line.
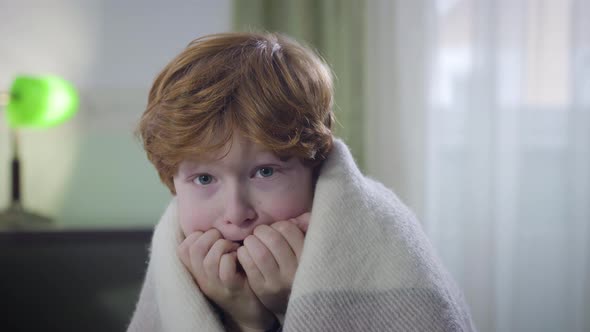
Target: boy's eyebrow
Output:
[(192, 164), (282, 158), (187, 168), (263, 154)]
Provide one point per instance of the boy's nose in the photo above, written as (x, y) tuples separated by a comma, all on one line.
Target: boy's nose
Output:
[(238, 209)]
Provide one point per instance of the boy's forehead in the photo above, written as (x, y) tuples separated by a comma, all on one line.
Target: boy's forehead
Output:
[(245, 150)]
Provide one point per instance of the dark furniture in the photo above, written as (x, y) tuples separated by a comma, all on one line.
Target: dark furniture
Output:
[(70, 280)]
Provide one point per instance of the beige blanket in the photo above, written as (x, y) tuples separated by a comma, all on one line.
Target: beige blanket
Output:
[(366, 266)]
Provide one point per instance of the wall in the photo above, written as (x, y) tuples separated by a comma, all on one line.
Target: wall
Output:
[(91, 171)]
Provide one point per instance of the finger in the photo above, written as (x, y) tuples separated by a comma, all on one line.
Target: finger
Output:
[(262, 257), (279, 248), (292, 234), (212, 260), (183, 249), (228, 272), (255, 277), (302, 221), (198, 250)]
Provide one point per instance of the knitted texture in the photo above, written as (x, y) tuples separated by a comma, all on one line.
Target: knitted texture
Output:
[(366, 266)]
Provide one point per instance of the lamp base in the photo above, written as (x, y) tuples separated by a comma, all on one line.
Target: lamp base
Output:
[(16, 218)]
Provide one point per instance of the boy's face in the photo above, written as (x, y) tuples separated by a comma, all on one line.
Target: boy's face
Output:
[(248, 187)]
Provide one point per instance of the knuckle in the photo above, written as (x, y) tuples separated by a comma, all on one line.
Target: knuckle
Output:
[(181, 249), (264, 255), (209, 264), (274, 288), (192, 238), (250, 241), (199, 247), (281, 225), (215, 232), (226, 278), (212, 234), (274, 239), (284, 226), (268, 235), (220, 244), (257, 285), (260, 230), (247, 264), (244, 258)]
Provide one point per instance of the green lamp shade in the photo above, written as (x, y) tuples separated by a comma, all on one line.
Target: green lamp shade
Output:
[(40, 102)]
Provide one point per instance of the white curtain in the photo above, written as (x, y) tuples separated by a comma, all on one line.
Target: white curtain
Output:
[(478, 116)]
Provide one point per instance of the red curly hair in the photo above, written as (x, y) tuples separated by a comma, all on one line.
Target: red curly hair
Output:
[(264, 86)]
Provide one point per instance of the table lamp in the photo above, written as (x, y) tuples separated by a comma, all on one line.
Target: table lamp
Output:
[(32, 102)]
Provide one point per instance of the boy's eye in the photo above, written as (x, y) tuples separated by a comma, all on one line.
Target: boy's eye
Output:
[(204, 179), (265, 172)]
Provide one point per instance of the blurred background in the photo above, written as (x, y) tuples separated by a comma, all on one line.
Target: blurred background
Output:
[(475, 112)]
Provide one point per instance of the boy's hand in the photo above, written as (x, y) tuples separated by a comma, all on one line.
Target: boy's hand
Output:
[(270, 258), (212, 261)]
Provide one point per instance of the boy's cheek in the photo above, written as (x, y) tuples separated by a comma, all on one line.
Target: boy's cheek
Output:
[(288, 213), (194, 219), (295, 200)]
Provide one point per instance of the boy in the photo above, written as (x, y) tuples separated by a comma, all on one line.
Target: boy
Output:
[(239, 128)]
